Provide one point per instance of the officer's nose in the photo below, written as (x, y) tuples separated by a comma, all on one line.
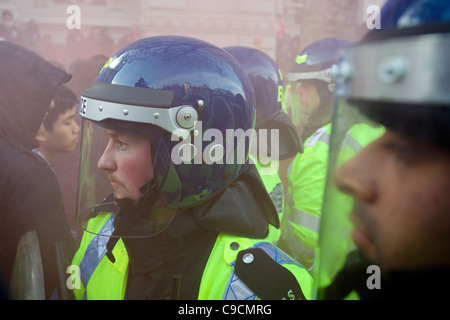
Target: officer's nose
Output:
[(106, 161), (355, 177)]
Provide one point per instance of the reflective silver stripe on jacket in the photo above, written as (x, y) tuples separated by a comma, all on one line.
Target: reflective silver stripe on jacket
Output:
[(352, 143), (320, 135), (95, 252), (237, 290), (276, 195), (305, 219)]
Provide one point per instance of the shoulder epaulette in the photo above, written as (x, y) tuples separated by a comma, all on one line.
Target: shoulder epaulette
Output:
[(267, 278)]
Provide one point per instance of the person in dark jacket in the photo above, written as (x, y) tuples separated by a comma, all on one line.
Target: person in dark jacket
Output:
[(30, 198)]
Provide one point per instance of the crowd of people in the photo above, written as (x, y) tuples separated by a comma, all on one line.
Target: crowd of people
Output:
[(80, 55), (77, 45), (362, 157)]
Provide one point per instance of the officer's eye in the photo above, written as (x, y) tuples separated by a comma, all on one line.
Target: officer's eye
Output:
[(121, 144), (402, 152)]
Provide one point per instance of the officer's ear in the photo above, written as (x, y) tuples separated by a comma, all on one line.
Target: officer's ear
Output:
[(41, 136)]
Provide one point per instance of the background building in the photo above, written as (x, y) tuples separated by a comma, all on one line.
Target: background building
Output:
[(274, 26)]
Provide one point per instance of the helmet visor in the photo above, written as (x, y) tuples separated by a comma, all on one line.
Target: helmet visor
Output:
[(299, 113), (141, 200), (351, 132), (311, 105)]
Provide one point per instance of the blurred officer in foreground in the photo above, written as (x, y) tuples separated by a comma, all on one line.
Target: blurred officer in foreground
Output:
[(186, 215), (276, 136), (398, 77), (312, 91), (31, 206)]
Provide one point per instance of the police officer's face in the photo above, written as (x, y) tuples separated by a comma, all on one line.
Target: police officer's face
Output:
[(309, 99), (402, 213), (127, 160)]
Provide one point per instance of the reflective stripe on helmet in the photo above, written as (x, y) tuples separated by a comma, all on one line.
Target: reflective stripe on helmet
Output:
[(177, 120), (323, 75)]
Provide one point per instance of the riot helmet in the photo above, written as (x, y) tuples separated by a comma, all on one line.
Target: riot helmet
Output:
[(313, 70), (396, 78), (267, 81), (184, 95)]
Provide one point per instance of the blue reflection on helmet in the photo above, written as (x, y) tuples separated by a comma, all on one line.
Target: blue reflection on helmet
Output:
[(266, 79), (267, 82)]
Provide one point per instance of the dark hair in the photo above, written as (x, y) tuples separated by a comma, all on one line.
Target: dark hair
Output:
[(425, 122), (64, 100)]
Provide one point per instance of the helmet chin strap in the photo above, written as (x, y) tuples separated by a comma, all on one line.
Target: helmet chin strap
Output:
[(130, 212)]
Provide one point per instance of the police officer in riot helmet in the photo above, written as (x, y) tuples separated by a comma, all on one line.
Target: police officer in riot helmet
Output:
[(183, 204)]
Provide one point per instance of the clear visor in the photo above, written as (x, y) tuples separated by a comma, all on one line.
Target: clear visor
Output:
[(119, 183), (351, 132), (323, 75), (299, 113)]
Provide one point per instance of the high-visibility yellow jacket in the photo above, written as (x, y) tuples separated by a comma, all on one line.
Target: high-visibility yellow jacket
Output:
[(306, 185), (103, 279), (274, 186)]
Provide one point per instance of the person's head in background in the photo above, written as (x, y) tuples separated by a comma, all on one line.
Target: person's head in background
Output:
[(59, 132)]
